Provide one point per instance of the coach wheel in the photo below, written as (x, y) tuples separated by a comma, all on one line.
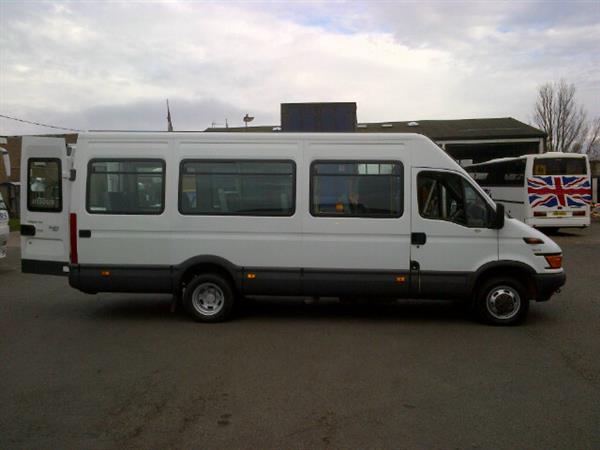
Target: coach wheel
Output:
[(209, 298)]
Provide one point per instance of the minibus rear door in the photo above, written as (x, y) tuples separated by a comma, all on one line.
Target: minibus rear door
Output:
[(44, 206)]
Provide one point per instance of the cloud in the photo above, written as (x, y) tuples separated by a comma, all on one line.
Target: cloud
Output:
[(112, 65)]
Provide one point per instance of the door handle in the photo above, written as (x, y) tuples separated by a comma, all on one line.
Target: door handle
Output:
[(27, 230), (418, 238), (85, 233)]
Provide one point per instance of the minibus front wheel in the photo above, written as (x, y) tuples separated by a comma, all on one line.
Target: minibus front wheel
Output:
[(502, 301), (209, 298)]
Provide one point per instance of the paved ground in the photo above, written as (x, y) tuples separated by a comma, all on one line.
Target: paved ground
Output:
[(120, 371)]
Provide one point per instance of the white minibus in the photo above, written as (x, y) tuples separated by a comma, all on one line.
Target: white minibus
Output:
[(4, 222), (214, 217), (551, 190), (4, 227)]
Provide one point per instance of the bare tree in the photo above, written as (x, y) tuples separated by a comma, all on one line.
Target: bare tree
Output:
[(556, 113), (592, 145)]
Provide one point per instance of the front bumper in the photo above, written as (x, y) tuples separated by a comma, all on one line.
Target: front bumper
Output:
[(547, 284)]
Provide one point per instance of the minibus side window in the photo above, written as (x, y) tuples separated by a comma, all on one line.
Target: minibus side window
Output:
[(44, 187), (449, 197), (357, 189), (237, 187), (126, 186)]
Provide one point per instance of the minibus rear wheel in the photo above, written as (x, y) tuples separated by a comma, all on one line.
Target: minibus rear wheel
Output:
[(502, 301), (209, 298)]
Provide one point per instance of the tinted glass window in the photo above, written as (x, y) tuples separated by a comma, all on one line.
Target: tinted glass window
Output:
[(508, 173), (357, 189), (256, 188), (449, 197), (44, 187), (559, 166), (126, 186)]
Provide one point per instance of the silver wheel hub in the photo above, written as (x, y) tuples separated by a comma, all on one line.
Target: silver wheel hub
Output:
[(503, 302), (208, 299)]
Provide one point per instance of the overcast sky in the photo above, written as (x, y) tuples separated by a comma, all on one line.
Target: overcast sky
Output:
[(111, 65)]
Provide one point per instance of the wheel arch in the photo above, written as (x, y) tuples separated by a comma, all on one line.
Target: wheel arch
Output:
[(196, 265), (509, 269)]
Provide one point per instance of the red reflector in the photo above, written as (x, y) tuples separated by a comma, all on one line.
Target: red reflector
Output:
[(539, 214), (579, 213), (73, 237)]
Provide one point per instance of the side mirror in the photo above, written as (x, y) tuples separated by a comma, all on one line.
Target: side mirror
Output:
[(498, 220)]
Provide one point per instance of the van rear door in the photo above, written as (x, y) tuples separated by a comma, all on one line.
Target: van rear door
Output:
[(44, 206)]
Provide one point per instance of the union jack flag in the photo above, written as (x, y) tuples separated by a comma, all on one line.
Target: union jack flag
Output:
[(561, 190)]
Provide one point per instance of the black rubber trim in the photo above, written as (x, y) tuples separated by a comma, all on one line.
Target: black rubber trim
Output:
[(351, 282), (441, 284), (547, 284), (272, 281), (496, 265), (291, 281), (508, 201), (44, 267), (117, 278)]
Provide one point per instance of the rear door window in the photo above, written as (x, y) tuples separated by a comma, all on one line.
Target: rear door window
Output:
[(44, 187)]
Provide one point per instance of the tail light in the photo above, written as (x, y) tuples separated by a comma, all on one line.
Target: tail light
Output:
[(554, 261), (73, 237), (579, 213), (539, 214)]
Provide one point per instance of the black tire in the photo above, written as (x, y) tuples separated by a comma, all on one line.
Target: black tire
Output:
[(209, 298), (502, 301)]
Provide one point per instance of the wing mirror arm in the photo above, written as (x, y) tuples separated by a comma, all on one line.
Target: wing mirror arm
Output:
[(498, 221)]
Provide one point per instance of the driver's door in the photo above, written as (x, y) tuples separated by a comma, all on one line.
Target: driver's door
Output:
[(451, 235)]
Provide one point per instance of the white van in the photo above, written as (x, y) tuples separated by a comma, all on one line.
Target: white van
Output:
[(4, 228), (550, 191), (213, 217)]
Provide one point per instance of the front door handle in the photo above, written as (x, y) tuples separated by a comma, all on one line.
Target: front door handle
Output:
[(418, 238)]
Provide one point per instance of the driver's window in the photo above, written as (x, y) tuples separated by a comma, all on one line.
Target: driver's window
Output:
[(449, 197)]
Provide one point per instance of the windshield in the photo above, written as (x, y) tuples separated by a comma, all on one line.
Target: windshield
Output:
[(559, 166)]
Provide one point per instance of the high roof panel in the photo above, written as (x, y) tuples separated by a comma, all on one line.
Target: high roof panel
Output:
[(438, 130)]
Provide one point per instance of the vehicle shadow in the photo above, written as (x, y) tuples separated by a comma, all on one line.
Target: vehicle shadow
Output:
[(391, 310), (288, 309), (143, 308)]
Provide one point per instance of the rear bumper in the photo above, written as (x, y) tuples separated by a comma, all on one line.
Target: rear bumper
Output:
[(547, 284), (563, 222)]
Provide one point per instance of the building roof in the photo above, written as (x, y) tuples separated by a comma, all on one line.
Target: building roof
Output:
[(437, 130)]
